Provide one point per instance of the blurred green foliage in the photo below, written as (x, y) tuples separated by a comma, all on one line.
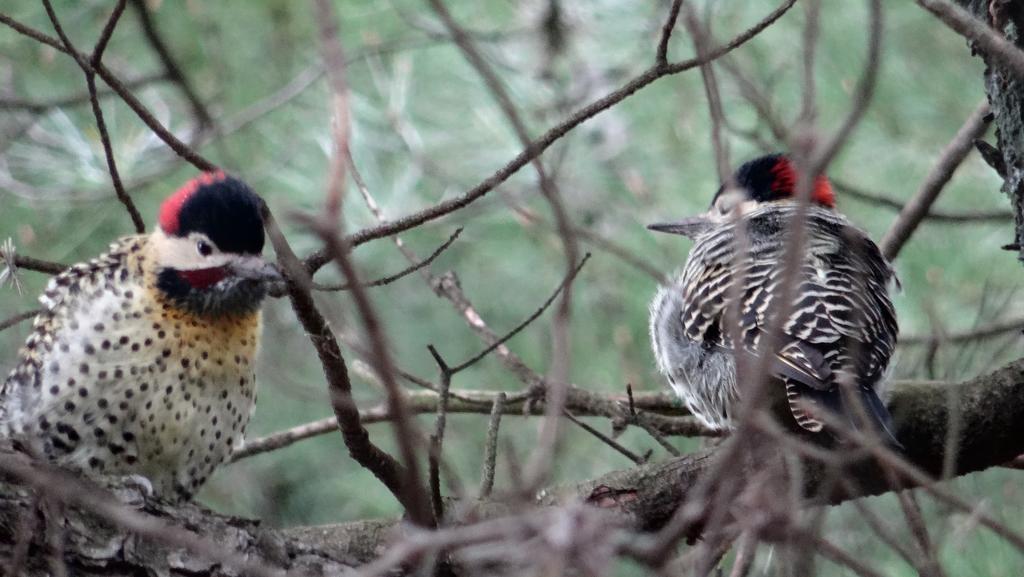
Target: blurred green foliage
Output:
[(424, 129)]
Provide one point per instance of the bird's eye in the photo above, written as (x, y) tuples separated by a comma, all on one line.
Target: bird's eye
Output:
[(204, 248), (727, 201)]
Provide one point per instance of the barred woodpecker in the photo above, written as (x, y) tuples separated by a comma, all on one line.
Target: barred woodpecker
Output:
[(141, 361), (841, 329)]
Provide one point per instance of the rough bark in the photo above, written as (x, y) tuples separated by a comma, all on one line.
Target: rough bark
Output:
[(1005, 93), (93, 546), (990, 432)]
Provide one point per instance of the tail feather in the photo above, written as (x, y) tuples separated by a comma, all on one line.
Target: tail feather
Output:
[(805, 402), (880, 417)]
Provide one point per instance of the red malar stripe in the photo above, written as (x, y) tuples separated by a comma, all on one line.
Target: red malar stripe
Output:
[(204, 277)]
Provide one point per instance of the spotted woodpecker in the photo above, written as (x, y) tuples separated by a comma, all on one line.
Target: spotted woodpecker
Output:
[(141, 361), (838, 335)]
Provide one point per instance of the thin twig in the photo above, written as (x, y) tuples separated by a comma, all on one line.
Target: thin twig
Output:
[(415, 497), (987, 40), (538, 468), (18, 318), (526, 322), (824, 154), (347, 416), (89, 66), (543, 142), (437, 439), (839, 556), (952, 155), (119, 87), (661, 412), (987, 331), (174, 72), (661, 56), (701, 38), (993, 216), (491, 446), (637, 459), (400, 274), (41, 106), (39, 265)]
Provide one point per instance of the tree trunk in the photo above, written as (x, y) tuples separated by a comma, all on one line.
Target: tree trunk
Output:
[(1006, 98)]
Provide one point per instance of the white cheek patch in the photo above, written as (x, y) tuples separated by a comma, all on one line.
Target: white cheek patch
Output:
[(182, 253)]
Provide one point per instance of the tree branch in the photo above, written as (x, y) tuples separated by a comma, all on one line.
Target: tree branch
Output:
[(991, 433), (174, 72), (949, 160), (539, 145)]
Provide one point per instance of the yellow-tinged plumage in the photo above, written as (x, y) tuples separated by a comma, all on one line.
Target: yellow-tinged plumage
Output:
[(142, 360)]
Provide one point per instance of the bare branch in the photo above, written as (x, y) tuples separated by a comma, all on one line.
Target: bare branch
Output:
[(994, 216), (518, 328), (984, 38), (942, 170), (701, 39), (41, 106), (437, 438), (88, 66), (357, 439), (542, 143), (18, 318), (661, 57), (414, 495), (988, 331), (637, 459), (179, 147), (400, 274), (661, 412), (824, 154), (174, 72), (555, 392), (491, 446), (38, 265)]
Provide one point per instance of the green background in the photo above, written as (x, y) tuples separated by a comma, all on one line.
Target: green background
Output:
[(424, 129)]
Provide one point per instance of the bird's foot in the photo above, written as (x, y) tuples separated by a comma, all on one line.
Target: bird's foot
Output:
[(133, 489)]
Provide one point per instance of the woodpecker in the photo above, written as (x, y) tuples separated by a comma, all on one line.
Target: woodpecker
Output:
[(837, 337), (141, 361)]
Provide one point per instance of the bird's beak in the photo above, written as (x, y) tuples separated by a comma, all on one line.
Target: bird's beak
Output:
[(691, 227), (255, 268)]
